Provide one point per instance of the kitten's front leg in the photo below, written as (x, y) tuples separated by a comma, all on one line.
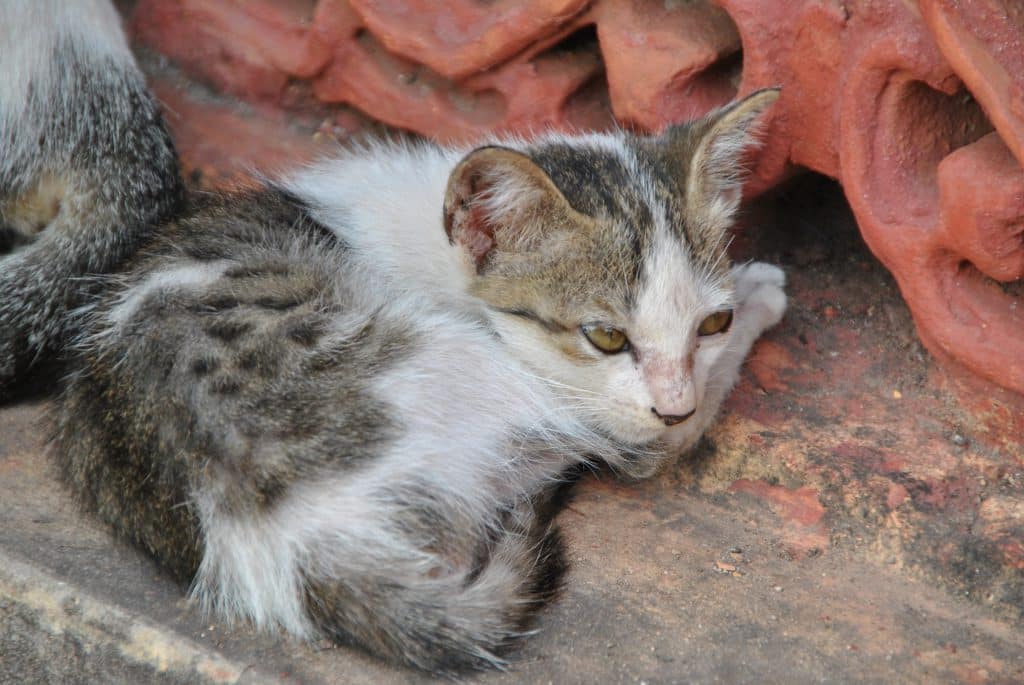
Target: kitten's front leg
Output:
[(760, 304)]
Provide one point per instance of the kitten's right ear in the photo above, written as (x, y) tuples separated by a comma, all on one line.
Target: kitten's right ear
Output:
[(498, 198), (713, 150)]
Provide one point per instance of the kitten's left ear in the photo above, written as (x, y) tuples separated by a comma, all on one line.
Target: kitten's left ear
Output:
[(499, 199), (714, 178)]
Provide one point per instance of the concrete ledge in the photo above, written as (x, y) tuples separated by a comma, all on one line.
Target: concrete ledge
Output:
[(52, 631)]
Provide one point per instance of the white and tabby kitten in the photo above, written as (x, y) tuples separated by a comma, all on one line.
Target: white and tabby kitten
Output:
[(341, 405)]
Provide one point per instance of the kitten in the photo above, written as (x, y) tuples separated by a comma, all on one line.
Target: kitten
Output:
[(340, 404)]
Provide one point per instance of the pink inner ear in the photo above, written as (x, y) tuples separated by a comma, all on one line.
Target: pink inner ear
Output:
[(475, 233)]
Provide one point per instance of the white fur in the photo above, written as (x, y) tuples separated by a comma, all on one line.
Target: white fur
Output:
[(189, 276), (387, 202)]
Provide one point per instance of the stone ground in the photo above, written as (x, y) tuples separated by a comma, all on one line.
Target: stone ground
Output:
[(857, 514)]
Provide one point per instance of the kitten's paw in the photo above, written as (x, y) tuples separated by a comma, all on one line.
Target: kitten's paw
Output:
[(752, 275), (759, 291)]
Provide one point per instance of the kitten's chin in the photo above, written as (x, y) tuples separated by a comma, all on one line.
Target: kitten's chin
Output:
[(680, 439), (638, 450), (633, 434), (643, 449), (640, 462)]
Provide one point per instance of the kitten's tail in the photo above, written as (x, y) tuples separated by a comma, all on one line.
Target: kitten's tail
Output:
[(86, 168), (447, 625), (404, 596)]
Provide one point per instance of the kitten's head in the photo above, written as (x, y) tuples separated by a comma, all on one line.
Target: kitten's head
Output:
[(602, 260)]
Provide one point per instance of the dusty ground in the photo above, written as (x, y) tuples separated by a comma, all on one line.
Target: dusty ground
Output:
[(857, 514)]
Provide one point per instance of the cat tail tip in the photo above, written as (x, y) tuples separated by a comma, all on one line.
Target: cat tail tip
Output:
[(453, 626)]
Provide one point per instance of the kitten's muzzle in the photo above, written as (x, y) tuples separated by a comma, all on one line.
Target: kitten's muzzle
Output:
[(673, 419)]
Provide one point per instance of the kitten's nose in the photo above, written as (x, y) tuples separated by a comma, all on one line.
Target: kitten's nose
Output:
[(672, 419)]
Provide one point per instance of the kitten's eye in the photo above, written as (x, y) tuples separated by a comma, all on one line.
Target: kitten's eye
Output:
[(605, 338), (718, 322)]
